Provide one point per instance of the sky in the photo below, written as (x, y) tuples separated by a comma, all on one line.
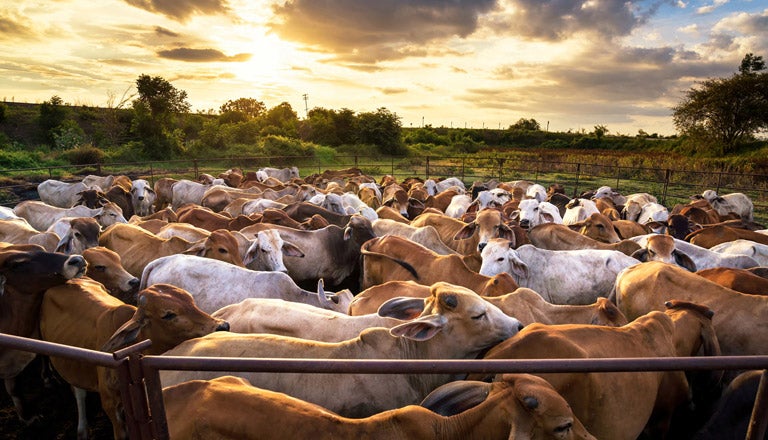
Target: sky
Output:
[(569, 64)]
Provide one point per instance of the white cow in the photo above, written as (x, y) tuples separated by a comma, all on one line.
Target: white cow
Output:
[(455, 324), (215, 284), (60, 194), (634, 205), (143, 197), (652, 212), (491, 198), (536, 192), (704, 258), (458, 206), (426, 236), (266, 251), (578, 210), (758, 251), (282, 174), (531, 213), (607, 191), (41, 215), (560, 277), (186, 191), (102, 182), (738, 203), (331, 202), (288, 318)]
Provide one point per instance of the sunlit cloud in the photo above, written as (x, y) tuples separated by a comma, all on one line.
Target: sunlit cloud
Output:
[(182, 10), (201, 55)]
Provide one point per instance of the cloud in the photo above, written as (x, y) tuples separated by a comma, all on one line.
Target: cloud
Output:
[(370, 31), (163, 32), (201, 55), (392, 90), (692, 28), (14, 27), (709, 8), (553, 20), (182, 10), (744, 23)]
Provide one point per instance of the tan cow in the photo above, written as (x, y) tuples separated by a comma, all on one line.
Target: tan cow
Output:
[(138, 247), (41, 215), (740, 280), (456, 324), (395, 258), (517, 407), (619, 406), (27, 272), (524, 304), (738, 316), (19, 231), (711, 236), (560, 237), (105, 267), (82, 314), (661, 247)]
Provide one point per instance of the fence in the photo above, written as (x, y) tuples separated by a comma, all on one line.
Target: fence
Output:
[(670, 185), (141, 393)]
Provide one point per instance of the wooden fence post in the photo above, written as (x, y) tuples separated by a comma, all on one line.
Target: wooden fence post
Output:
[(578, 176), (426, 173), (667, 178)]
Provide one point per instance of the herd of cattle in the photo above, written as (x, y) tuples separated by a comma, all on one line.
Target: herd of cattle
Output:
[(237, 265)]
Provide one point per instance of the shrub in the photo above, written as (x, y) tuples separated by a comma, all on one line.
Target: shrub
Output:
[(19, 159), (282, 146), (84, 155)]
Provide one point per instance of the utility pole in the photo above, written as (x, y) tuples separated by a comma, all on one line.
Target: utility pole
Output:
[(306, 107)]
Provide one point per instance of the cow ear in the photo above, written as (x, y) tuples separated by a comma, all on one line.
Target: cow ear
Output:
[(388, 202), (640, 255), (128, 332), (65, 245), (517, 266), (549, 218), (683, 260), (466, 232), (507, 233), (420, 329), (416, 203), (291, 250), (404, 308), (456, 397), (196, 249)]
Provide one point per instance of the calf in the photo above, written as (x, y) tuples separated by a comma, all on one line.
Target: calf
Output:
[(215, 284), (25, 275), (143, 197), (518, 406), (396, 258), (82, 314), (560, 277), (455, 324), (619, 406)]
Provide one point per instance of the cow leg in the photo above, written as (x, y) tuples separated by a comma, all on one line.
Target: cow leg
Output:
[(82, 420), (10, 387), (46, 372)]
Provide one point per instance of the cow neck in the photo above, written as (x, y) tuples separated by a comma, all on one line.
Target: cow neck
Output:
[(19, 312)]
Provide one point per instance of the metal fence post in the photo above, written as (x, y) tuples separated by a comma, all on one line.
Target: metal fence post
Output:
[(759, 422), (392, 159), (194, 164), (667, 178), (356, 161), (463, 177), (578, 176)]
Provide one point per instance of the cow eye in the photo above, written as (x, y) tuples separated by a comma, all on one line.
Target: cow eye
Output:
[(100, 268), (480, 316), (222, 251), (78, 235), (169, 315), (500, 259), (564, 427)]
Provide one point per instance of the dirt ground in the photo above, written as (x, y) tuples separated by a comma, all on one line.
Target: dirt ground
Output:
[(55, 404)]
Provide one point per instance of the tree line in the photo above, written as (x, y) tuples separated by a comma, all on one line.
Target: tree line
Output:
[(717, 116)]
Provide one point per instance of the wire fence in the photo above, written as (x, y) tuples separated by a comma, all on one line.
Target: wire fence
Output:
[(670, 185)]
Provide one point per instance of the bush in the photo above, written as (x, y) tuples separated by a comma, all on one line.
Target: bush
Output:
[(273, 145), (84, 155), (20, 159)]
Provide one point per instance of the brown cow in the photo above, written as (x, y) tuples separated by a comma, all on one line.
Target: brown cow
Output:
[(558, 237), (518, 406), (738, 316), (82, 314), (524, 304), (105, 267), (740, 280), (137, 247), (26, 274), (395, 258), (714, 235), (619, 406), (211, 221)]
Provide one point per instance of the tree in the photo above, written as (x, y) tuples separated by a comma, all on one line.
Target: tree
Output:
[(242, 109), (154, 116), (600, 131), (526, 124), (280, 120), (382, 129), (723, 112), (52, 114)]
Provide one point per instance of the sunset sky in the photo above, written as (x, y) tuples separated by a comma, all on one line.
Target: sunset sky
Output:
[(482, 63)]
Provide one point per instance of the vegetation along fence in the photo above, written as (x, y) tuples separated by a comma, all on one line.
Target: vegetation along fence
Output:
[(141, 392), (669, 185)]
